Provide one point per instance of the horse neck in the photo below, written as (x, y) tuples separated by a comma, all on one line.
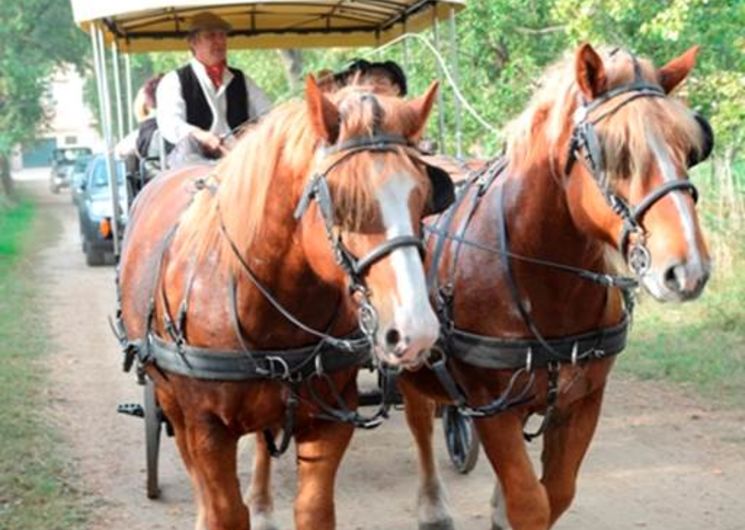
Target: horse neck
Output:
[(539, 225), (279, 263)]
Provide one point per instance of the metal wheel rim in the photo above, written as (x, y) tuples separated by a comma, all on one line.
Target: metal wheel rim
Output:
[(461, 439)]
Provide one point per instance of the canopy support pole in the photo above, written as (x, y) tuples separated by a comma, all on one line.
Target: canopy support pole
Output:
[(128, 84), (440, 97), (117, 90), (100, 52), (407, 61), (456, 75)]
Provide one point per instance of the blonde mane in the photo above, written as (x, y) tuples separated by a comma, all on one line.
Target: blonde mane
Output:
[(624, 135), (280, 151)]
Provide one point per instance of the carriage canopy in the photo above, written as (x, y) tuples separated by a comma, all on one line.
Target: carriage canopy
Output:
[(154, 25)]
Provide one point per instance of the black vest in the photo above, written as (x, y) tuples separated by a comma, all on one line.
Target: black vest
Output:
[(198, 111)]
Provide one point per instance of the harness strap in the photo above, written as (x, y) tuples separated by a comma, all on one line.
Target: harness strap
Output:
[(551, 397), (336, 342), (505, 401), (361, 265), (236, 365), (288, 429), (342, 412), (511, 354)]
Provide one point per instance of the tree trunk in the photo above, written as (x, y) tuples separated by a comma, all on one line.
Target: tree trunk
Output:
[(293, 60), (7, 193)]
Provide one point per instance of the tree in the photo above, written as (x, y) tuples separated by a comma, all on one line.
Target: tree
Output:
[(35, 37)]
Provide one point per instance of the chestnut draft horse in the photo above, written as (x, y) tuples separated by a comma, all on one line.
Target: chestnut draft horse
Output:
[(238, 282), (532, 313)]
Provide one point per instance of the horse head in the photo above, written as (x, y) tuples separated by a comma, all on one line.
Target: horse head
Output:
[(625, 146), (371, 190)]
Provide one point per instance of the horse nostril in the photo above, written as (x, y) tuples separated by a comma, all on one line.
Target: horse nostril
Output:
[(675, 278), (392, 337)]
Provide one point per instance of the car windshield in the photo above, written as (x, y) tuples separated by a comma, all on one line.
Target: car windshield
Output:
[(99, 177), (70, 154), (82, 163)]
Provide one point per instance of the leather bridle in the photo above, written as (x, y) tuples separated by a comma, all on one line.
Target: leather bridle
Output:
[(356, 268), (585, 146)]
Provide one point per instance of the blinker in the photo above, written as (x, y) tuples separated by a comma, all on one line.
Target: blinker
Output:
[(443, 189), (696, 157)]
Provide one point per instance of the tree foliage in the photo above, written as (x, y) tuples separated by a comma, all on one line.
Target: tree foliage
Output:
[(35, 37)]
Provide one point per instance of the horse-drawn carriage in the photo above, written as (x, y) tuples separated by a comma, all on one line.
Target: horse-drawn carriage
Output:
[(324, 201), (156, 26)]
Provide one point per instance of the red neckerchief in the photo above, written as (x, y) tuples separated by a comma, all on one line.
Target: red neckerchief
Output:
[(215, 73)]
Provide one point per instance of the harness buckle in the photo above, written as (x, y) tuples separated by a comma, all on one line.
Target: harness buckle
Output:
[(273, 361), (575, 353), (639, 258), (529, 360)]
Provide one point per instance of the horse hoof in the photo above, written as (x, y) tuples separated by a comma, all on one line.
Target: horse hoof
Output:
[(446, 524)]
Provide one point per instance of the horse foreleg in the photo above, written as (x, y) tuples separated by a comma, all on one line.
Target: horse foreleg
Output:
[(564, 447), (433, 512), (319, 453), (259, 499), (525, 498), (213, 456)]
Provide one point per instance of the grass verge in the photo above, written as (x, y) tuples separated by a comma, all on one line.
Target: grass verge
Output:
[(701, 343), (34, 492)]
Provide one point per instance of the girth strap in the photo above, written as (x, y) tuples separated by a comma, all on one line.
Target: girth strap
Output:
[(235, 365), (511, 354)]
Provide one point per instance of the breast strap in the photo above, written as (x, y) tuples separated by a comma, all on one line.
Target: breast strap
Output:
[(500, 354), (235, 365)]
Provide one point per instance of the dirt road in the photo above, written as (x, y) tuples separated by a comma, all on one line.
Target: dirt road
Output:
[(661, 459)]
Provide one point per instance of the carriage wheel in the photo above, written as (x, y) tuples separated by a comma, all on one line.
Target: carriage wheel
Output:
[(153, 423), (461, 439)]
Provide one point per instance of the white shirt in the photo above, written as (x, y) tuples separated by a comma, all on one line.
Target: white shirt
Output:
[(171, 110)]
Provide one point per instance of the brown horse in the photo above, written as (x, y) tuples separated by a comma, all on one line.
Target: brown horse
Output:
[(233, 299), (595, 171)]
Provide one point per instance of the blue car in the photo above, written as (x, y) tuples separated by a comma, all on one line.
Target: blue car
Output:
[(95, 210)]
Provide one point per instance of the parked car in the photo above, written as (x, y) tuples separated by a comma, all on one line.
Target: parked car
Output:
[(95, 210), (63, 162), (77, 177)]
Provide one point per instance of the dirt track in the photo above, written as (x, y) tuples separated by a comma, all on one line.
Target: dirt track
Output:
[(660, 460)]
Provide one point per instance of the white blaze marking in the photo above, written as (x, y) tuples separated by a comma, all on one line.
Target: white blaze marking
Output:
[(669, 173), (413, 313)]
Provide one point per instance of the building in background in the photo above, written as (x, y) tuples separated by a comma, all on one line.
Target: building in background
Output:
[(71, 124)]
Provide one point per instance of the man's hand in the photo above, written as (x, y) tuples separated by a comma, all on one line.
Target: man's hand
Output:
[(210, 142)]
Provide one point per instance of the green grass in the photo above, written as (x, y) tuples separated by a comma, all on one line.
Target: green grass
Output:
[(701, 343), (34, 492)]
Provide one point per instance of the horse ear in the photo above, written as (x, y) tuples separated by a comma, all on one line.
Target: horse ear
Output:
[(421, 108), (324, 116), (590, 72), (675, 71)]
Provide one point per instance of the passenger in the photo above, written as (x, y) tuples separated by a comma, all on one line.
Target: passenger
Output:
[(140, 149), (201, 103), (143, 109), (387, 75)]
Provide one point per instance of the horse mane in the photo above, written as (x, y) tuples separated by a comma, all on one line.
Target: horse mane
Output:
[(283, 145), (624, 134)]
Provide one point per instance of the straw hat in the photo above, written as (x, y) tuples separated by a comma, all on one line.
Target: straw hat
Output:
[(206, 21)]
